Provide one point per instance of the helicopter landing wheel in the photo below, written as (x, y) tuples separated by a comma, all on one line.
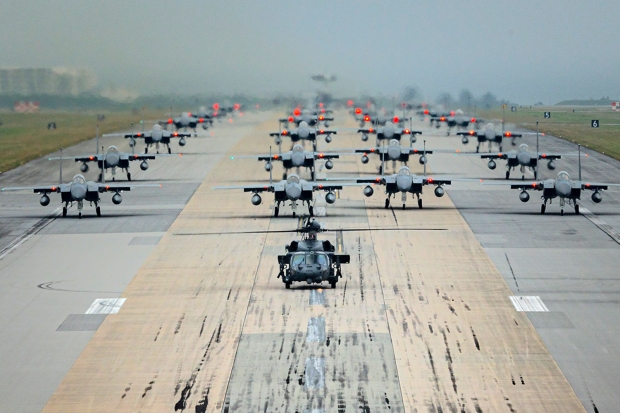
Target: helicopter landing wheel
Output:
[(64, 211), (420, 203)]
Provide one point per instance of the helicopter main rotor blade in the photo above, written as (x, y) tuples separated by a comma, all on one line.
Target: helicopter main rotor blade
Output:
[(301, 230)]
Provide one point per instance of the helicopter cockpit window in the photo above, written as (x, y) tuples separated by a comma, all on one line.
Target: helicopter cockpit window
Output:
[(298, 259), (321, 259), (292, 179), (563, 176), (79, 179), (404, 171)]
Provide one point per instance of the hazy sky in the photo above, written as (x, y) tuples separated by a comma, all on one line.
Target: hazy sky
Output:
[(523, 50)]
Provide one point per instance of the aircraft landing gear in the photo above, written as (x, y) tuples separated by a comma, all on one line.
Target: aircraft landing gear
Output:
[(562, 212), (387, 203), (100, 177), (288, 285), (420, 203), (98, 209), (543, 207), (478, 149), (146, 150), (310, 210), (276, 211), (333, 284), (508, 174), (128, 176), (64, 211), (577, 209), (169, 151), (404, 206)]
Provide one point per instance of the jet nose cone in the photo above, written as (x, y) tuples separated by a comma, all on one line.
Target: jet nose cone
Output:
[(393, 153), (298, 159), (403, 183), (523, 158), (563, 188), (112, 159), (78, 192), (293, 192)]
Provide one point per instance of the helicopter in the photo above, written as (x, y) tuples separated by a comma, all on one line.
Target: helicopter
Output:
[(311, 259)]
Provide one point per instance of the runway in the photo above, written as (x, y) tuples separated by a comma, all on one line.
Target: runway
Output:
[(421, 321)]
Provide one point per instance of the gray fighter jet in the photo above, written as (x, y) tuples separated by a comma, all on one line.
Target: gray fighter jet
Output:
[(522, 158), (304, 132), (156, 137), (296, 158), (389, 131), (403, 182), (457, 119), (293, 189), (77, 191), (562, 187), (186, 120), (312, 118), (488, 134), (394, 152)]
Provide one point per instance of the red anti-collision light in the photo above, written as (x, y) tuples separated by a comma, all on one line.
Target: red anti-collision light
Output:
[(290, 118), (473, 120), (297, 112), (216, 106), (367, 118), (358, 111), (395, 119), (426, 112)]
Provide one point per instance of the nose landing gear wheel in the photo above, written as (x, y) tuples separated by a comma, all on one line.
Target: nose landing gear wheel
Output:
[(79, 215), (542, 208), (333, 284), (562, 212), (507, 174), (146, 150), (294, 214), (276, 211), (387, 203), (64, 211), (128, 176), (98, 211), (403, 207), (577, 209), (420, 203), (288, 286), (311, 211), (169, 151)]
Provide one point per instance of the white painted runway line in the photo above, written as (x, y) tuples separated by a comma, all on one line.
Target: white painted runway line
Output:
[(106, 306), (528, 303), (602, 225)]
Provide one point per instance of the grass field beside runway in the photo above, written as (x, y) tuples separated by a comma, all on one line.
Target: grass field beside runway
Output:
[(24, 136), (570, 123)]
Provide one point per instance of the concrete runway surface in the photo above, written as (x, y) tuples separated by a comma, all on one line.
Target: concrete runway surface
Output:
[(421, 321)]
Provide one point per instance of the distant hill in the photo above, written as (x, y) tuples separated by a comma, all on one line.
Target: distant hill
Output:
[(586, 102)]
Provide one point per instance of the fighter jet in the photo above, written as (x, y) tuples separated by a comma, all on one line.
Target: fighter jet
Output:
[(404, 181), (523, 158), (456, 119), (562, 187), (77, 191), (377, 119), (303, 132), (186, 120), (389, 131), (296, 158), (293, 189), (311, 118), (394, 152), (157, 136), (488, 134)]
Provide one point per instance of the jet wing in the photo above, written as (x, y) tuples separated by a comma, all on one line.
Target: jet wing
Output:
[(41, 189), (141, 156), (369, 130), (497, 155), (329, 155), (595, 186), (118, 188), (468, 133), (81, 158), (432, 181), (415, 151), (249, 188), (522, 186), (326, 187), (326, 132), (140, 135)]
